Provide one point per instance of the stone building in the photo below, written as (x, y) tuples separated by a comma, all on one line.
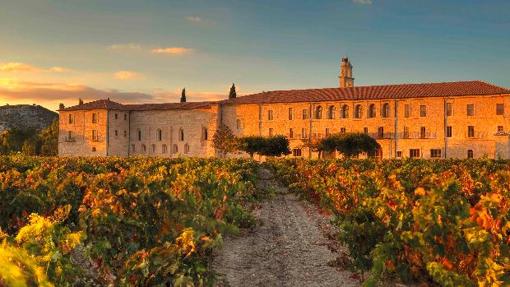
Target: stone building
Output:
[(432, 120)]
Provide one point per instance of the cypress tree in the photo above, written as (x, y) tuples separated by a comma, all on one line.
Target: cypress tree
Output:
[(183, 95), (233, 93)]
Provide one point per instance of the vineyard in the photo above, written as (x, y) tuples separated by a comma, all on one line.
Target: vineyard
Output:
[(446, 222), (158, 222)]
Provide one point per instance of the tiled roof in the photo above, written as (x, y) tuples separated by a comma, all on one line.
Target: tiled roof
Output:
[(111, 105), (401, 91)]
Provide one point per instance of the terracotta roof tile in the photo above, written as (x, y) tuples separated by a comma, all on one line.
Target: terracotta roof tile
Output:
[(111, 105), (401, 91)]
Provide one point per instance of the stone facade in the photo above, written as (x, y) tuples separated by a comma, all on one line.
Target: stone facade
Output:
[(437, 120)]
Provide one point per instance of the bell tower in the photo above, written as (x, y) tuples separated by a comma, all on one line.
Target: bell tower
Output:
[(345, 79)]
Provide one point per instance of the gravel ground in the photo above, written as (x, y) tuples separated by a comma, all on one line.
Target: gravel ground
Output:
[(292, 246)]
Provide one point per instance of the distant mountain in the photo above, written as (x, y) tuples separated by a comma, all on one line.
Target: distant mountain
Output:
[(25, 117)]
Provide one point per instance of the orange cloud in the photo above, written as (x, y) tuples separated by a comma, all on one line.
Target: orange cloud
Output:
[(126, 75), (172, 50), (17, 67), (57, 69), (128, 46)]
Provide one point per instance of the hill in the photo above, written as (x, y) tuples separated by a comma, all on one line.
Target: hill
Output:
[(25, 117)]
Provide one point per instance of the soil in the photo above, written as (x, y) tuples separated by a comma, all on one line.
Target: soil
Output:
[(293, 245)]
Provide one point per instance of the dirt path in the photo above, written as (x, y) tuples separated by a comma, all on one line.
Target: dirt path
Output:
[(287, 249)]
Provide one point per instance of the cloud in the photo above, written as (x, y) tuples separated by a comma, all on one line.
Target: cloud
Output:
[(126, 75), (362, 2), (125, 47), (17, 67), (172, 51), (195, 19), (57, 69)]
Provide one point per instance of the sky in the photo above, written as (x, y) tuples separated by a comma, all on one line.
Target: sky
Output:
[(56, 51)]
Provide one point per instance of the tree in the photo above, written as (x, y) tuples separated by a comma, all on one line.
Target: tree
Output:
[(224, 141), (276, 146), (233, 93), (183, 95), (252, 144), (350, 144), (48, 139)]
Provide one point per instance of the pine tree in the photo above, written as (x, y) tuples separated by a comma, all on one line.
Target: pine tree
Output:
[(233, 93), (183, 95)]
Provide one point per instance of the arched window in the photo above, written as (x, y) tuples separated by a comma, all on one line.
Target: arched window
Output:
[(205, 134), (270, 115), (358, 111), (160, 135), (164, 149), (371, 111), (144, 148), (181, 134), (175, 149), (331, 112), (318, 112), (345, 112), (385, 112), (186, 148), (153, 148), (139, 135)]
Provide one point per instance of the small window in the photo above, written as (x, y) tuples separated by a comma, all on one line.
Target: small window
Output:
[(449, 131), (406, 133), (296, 152), (95, 136), (407, 110), (144, 148), (331, 112), (304, 133), (94, 118), (125, 117), (116, 133), (342, 130), (399, 153), (423, 111), (501, 129), (186, 148), (70, 118), (449, 109), (344, 112), (414, 153), (371, 111), (159, 135), (116, 116), (380, 132), (291, 114), (291, 133), (500, 109), (470, 110), (181, 134), (205, 134), (385, 112), (318, 112), (270, 115), (164, 149), (270, 132), (435, 153), (139, 135), (471, 132), (423, 132), (153, 148), (125, 133), (93, 149), (470, 153), (305, 114), (365, 130), (358, 112)]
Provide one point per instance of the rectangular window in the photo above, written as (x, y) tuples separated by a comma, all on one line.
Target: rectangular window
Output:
[(449, 131), (414, 153), (291, 114), (94, 118), (471, 132), (423, 111), (365, 130), (125, 133), (303, 133), (435, 153), (407, 110), (296, 152), (501, 129), (449, 109), (116, 133), (305, 114), (70, 118), (95, 137), (327, 131), (270, 115), (342, 130), (406, 133), (423, 132), (116, 116), (125, 117), (380, 132), (399, 153), (470, 110), (470, 153), (291, 133), (500, 109)]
